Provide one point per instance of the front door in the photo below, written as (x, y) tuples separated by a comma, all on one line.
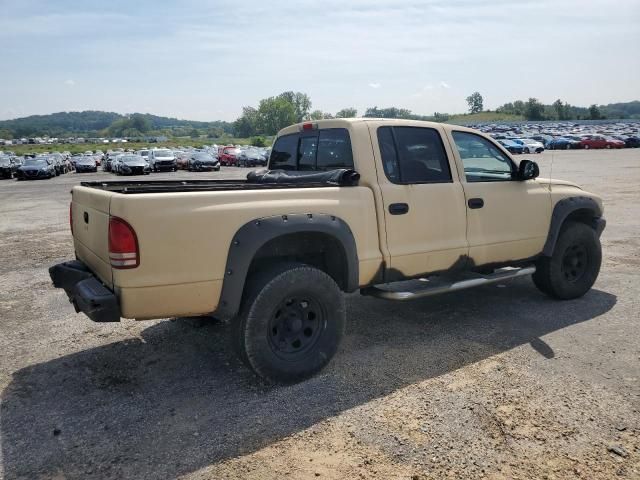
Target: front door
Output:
[(424, 209), (507, 219)]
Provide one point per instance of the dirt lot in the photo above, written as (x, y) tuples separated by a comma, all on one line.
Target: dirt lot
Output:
[(499, 382)]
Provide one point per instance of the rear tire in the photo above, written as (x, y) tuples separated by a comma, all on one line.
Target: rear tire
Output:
[(291, 322), (574, 266)]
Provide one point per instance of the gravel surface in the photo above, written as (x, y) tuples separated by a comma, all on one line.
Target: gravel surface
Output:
[(499, 382)]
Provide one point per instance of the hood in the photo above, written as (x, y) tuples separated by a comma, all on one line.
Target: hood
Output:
[(26, 168), (553, 181)]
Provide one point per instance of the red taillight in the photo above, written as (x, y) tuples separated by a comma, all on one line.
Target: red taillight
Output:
[(71, 217), (307, 126), (123, 244)]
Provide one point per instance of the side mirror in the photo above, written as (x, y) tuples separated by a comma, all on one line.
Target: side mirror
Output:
[(528, 170)]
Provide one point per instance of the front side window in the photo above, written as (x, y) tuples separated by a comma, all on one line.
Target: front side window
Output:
[(325, 149), (413, 155), (482, 160)]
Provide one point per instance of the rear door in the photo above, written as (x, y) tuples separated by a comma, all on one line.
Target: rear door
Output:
[(423, 200)]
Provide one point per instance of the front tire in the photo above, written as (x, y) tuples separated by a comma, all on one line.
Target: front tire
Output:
[(574, 266), (291, 322)]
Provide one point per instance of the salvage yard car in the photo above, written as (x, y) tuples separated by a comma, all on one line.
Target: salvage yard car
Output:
[(35, 169), (201, 161), (131, 165), (346, 205)]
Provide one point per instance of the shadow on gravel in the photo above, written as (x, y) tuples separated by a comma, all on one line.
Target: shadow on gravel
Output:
[(178, 400)]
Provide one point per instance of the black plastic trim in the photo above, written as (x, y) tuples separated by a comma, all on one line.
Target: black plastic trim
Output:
[(85, 291), (253, 235), (560, 213)]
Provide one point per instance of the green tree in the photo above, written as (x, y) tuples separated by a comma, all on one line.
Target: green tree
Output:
[(259, 141), (139, 122), (275, 113), (440, 117), (560, 110), (195, 133), (594, 112), (475, 101), (347, 113), (533, 109), (247, 124), (316, 115), (301, 104)]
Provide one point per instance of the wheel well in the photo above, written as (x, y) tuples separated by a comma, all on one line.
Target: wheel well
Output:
[(582, 215), (317, 249)]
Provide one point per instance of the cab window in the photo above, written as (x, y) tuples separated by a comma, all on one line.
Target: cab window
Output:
[(324, 149), (413, 155), (482, 160)]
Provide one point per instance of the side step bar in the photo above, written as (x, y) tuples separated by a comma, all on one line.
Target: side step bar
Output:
[(428, 287)]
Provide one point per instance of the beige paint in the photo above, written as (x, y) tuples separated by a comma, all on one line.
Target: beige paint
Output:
[(184, 237)]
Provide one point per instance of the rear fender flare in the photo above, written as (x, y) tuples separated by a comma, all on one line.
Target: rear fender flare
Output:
[(253, 235)]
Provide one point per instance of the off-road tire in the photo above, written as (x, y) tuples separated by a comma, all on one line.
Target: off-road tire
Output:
[(316, 315), (574, 266)]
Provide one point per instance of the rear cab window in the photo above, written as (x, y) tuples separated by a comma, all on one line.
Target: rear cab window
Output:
[(413, 155), (323, 149)]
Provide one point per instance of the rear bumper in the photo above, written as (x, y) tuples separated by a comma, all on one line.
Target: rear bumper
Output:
[(87, 294)]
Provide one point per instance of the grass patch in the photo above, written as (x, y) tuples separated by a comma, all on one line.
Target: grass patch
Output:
[(484, 117)]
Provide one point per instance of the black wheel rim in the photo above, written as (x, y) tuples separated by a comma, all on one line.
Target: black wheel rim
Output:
[(574, 263), (295, 326)]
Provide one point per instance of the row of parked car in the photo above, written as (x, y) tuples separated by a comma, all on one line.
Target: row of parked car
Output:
[(534, 138), (129, 162)]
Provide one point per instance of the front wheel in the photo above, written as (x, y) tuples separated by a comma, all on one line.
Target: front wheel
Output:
[(291, 322), (574, 266)]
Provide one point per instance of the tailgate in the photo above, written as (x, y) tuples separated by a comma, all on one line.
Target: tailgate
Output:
[(90, 214)]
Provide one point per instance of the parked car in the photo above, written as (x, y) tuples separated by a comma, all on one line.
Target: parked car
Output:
[(129, 164), (182, 160), (564, 143), (8, 166), (36, 168), (144, 153), (630, 141), (601, 141), (86, 164), (251, 157), (228, 155), (162, 159), (530, 145), (273, 259), (512, 146), (203, 161)]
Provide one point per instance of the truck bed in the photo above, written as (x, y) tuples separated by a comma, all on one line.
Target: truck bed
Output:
[(171, 186)]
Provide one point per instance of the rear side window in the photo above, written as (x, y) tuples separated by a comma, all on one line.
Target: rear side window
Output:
[(413, 155), (325, 149)]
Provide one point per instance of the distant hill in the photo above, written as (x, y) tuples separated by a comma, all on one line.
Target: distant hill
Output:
[(93, 123)]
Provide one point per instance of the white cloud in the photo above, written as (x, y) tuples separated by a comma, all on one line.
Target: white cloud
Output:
[(70, 82), (444, 84), (428, 87), (374, 85)]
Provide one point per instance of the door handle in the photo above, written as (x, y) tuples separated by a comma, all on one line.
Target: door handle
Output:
[(398, 208), (475, 203)]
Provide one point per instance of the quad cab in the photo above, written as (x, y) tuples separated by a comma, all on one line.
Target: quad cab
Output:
[(347, 205)]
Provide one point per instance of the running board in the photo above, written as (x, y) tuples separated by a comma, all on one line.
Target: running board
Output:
[(428, 287)]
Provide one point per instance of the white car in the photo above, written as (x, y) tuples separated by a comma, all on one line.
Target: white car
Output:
[(531, 146)]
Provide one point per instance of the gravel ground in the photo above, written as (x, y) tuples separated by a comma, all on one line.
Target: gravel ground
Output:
[(498, 382)]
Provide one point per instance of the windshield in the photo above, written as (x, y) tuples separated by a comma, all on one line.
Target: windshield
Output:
[(163, 153), (203, 157), (35, 162), (131, 159), (86, 160), (4, 161)]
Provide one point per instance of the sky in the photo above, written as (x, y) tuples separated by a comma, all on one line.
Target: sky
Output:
[(206, 59)]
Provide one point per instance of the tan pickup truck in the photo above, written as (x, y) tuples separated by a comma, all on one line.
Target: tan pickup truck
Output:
[(347, 205)]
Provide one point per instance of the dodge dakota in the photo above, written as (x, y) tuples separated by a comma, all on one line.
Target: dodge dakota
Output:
[(346, 205)]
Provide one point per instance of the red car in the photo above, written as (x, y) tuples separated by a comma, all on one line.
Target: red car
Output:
[(228, 155), (600, 141)]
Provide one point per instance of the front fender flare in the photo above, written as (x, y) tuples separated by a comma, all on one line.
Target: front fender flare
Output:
[(253, 235), (562, 210)]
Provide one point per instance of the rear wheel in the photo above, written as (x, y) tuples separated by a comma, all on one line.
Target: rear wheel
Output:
[(574, 266), (291, 322)]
